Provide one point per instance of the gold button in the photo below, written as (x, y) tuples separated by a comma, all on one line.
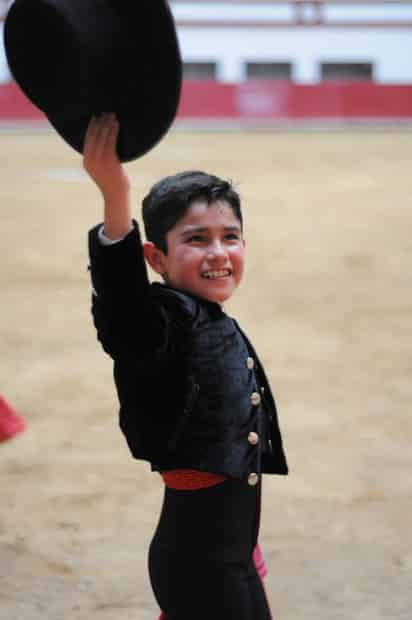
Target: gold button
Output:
[(255, 399), (250, 363), (252, 479), (253, 438)]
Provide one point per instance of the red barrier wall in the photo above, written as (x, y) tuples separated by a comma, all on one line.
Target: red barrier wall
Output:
[(286, 100), (262, 101), (14, 105)]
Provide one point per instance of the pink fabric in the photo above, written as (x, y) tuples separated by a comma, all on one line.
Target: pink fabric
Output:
[(10, 421), (259, 562)]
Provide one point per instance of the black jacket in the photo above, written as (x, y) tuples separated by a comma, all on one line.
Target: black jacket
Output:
[(192, 391)]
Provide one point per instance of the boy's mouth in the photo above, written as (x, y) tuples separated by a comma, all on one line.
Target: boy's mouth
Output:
[(213, 275)]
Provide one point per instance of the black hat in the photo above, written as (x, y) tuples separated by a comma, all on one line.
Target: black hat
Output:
[(77, 58)]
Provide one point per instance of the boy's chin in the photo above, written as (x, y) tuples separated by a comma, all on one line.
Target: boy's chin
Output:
[(217, 297)]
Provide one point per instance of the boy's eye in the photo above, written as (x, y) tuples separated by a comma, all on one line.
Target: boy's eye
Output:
[(196, 238), (233, 236)]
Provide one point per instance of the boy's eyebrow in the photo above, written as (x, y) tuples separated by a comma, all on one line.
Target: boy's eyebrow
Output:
[(192, 229)]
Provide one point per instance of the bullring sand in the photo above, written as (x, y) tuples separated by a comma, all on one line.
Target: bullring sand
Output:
[(327, 300)]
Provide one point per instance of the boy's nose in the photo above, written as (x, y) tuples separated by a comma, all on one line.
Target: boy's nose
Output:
[(216, 250)]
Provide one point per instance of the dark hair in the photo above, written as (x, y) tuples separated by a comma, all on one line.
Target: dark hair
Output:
[(169, 200)]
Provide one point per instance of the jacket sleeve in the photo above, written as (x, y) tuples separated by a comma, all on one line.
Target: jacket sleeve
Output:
[(127, 320)]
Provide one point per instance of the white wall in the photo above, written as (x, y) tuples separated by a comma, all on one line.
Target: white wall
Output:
[(367, 11), (285, 11), (282, 11), (389, 49), (5, 75)]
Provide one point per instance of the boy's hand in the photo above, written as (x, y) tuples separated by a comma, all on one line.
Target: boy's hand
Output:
[(100, 159), (101, 162)]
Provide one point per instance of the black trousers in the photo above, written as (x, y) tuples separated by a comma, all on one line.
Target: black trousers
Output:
[(200, 558)]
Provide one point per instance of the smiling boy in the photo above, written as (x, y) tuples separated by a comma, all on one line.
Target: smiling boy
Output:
[(204, 252), (194, 398)]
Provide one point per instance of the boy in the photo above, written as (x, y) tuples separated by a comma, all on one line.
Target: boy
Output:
[(194, 399)]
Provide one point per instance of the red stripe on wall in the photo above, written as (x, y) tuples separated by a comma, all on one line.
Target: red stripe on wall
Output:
[(14, 105), (261, 100), (286, 100)]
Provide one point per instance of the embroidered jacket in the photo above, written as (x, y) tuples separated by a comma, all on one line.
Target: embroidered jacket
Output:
[(192, 391)]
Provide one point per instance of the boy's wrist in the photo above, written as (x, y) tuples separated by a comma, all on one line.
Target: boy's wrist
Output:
[(116, 194), (105, 240), (117, 215)]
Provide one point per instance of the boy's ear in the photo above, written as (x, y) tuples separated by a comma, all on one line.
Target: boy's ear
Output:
[(154, 257)]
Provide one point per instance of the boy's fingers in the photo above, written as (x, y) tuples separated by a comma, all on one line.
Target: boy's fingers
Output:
[(108, 138), (111, 139), (100, 134), (90, 136), (103, 133), (100, 144)]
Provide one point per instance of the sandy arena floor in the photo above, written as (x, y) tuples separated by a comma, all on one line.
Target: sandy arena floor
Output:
[(327, 300)]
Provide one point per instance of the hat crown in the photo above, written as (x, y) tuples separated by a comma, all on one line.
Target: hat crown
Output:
[(76, 58)]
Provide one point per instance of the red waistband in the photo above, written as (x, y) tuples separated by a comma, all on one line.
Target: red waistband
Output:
[(190, 479)]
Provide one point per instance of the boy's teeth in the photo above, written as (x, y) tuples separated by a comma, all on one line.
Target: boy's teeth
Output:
[(216, 274)]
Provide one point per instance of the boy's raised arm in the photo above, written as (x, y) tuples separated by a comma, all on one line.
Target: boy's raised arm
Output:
[(102, 164), (120, 300)]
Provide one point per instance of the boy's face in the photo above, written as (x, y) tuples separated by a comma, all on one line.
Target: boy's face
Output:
[(205, 252)]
